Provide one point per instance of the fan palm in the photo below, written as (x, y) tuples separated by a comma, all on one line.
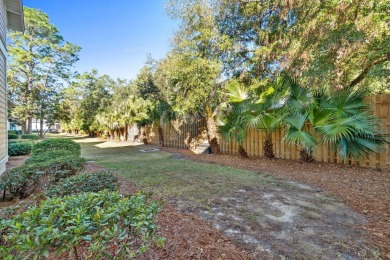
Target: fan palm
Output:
[(250, 110), (349, 127), (301, 108), (231, 125), (341, 118)]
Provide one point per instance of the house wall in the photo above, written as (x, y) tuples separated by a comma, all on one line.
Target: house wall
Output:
[(3, 92)]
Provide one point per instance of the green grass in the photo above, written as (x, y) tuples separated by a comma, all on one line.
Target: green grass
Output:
[(160, 173)]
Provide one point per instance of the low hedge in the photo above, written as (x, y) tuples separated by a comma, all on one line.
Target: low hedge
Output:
[(61, 167), (12, 136), (12, 132), (19, 148), (20, 181), (21, 141), (39, 158), (30, 136), (57, 144), (106, 224), (89, 182)]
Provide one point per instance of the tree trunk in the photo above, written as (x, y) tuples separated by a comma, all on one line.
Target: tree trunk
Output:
[(41, 135), (23, 128), (126, 132), (29, 125), (268, 146), (306, 155), (242, 152), (144, 137), (212, 134), (160, 136)]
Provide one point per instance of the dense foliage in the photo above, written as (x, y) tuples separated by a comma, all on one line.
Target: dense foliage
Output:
[(108, 224), (340, 118), (12, 136), (20, 181), (62, 167), (56, 144), (30, 136), (19, 148), (53, 159), (89, 182)]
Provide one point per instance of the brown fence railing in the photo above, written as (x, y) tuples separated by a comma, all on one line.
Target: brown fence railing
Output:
[(187, 134)]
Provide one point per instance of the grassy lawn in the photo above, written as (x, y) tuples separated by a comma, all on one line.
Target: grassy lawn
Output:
[(166, 175)]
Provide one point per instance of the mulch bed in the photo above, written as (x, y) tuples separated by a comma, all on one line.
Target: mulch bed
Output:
[(15, 161), (365, 190)]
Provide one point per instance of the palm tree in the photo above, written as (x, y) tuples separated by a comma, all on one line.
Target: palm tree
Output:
[(250, 110), (301, 109), (230, 122), (267, 117), (349, 127), (161, 113), (340, 118)]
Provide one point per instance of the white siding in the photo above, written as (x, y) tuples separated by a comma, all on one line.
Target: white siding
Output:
[(3, 92)]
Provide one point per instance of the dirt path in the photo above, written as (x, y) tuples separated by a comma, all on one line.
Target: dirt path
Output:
[(323, 218)]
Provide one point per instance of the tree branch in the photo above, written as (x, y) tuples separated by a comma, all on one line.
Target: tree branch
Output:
[(365, 71)]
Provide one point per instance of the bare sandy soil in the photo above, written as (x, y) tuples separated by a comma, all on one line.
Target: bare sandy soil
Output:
[(340, 187)]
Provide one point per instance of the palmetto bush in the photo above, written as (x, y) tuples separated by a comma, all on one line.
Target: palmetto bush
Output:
[(256, 109), (340, 118), (231, 124)]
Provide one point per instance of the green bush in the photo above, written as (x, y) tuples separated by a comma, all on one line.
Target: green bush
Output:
[(107, 224), (12, 141), (12, 132), (30, 136), (57, 144), (19, 148), (61, 167), (20, 181), (40, 158), (89, 182), (12, 136)]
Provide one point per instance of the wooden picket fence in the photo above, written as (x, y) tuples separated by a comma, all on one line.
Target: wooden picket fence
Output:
[(183, 134), (187, 134)]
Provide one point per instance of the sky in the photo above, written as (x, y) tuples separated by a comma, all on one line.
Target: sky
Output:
[(115, 35)]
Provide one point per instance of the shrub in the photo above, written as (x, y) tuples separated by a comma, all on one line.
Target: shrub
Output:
[(89, 182), (12, 132), (12, 136), (108, 224), (40, 158), (30, 136), (57, 144), (61, 167), (20, 181), (20, 141), (19, 148)]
